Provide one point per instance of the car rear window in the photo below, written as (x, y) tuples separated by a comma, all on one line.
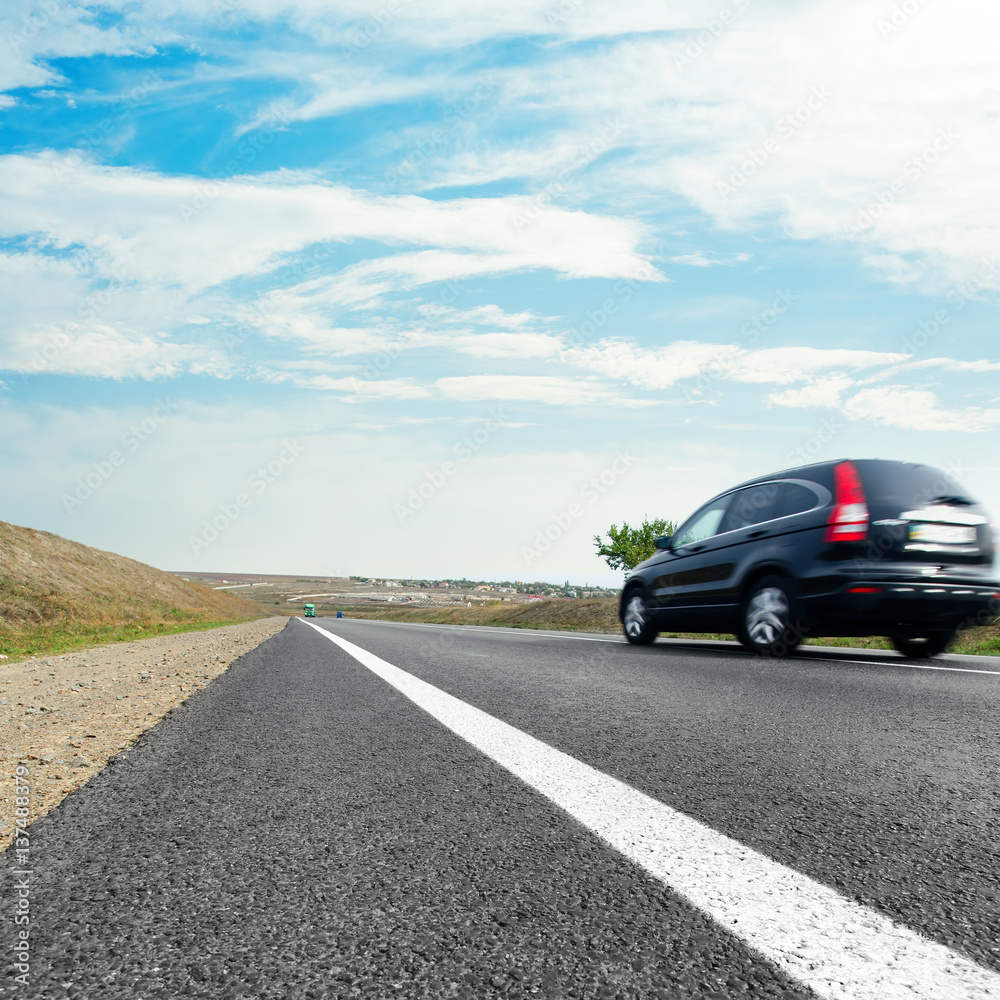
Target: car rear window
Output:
[(796, 498), (893, 487)]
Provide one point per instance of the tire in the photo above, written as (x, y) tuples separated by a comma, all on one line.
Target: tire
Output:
[(766, 625), (637, 623), (922, 647)]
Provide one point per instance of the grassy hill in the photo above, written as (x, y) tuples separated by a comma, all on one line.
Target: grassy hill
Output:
[(56, 595)]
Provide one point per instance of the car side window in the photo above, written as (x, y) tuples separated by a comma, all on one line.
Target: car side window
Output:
[(702, 524), (754, 505)]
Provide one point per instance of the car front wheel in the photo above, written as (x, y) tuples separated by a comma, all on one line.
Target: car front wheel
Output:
[(637, 621), (920, 647), (766, 625)]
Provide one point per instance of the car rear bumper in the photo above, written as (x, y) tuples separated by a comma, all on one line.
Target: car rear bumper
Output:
[(877, 606)]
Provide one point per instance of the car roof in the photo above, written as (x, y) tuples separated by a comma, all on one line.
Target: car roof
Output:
[(807, 471)]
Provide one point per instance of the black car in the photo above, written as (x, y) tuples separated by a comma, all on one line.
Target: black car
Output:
[(845, 548)]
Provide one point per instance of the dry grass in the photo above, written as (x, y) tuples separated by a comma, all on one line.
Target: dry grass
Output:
[(600, 614), (56, 594)]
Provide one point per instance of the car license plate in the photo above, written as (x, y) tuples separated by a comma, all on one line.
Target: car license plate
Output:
[(943, 534)]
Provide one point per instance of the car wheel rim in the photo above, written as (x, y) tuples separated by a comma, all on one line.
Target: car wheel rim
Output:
[(635, 616), (767, 616)]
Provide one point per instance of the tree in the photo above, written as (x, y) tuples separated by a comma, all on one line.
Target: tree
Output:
[(626, 547)]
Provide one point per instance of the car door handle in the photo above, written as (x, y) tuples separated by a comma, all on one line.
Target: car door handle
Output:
[(757, 534), (695, 548)]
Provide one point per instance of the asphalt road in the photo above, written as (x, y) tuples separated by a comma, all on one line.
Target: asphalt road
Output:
[(302, 829)]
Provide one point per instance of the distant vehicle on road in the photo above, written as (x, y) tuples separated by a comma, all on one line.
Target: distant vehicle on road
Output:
[(845, 548), (310, 611)]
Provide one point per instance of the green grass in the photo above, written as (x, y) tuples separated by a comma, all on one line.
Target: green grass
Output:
[(45, 640)]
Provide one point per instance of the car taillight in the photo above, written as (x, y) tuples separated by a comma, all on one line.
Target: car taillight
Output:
[(849, 517)]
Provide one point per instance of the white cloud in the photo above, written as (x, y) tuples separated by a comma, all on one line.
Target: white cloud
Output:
[(793, 364), (555, 390), (824, 392), (882, 138), (952, 365), (507, 345), (662, 367), (196, 233), (916, 410), (102, 351), (650, 368), (34, 33), (447, 24), (486, 315), (122, 245), (343, 89), (356, 389), (699, 258)]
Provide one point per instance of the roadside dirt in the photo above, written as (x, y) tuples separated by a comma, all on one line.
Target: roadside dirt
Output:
[(66, 716)]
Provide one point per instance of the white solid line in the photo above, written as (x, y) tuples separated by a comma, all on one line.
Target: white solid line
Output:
[(838, 948)]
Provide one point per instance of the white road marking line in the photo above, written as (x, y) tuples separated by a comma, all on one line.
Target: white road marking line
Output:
[(806, 654), (921, 666), (839, 949)]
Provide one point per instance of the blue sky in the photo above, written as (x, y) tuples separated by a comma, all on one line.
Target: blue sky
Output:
[(444, 289)]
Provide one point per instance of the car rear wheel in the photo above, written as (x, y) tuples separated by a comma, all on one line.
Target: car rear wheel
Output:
[(637, 622), (766, 619), (920, 647)]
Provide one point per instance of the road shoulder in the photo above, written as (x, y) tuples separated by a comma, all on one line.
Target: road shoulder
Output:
[(64, 717)]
